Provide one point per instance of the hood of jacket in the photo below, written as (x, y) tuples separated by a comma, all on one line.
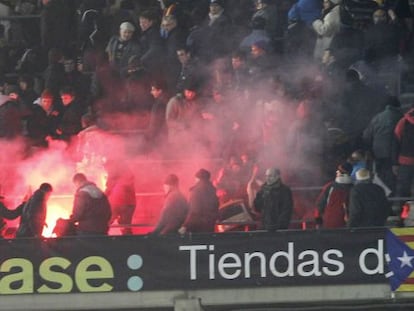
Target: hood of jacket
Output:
[(409, 116), (91, 189)]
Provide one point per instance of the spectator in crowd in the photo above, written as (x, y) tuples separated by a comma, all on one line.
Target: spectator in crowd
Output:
[(70, 117), (326, 27), (175, 209), (174, 38), (358, 159), (11, 119), (203, 205), (258, 33), (76, 78), (42, 121), (34, 212), (217, 39), (362, 103), (54, 74), (26, 90), (368, 205), (91, 209), (92, 140), (55, 29), (269, 12), (261, 62), (240, 69), (274, 202), (157, 129), (333, 201), (230, 181), (306, 11), (136, 88), (120, 190), (379, 137), (403, 154), (383, 39), (6, 213), (300, 37), (190, 69), (122, 47), (152, 47), (183, 114)]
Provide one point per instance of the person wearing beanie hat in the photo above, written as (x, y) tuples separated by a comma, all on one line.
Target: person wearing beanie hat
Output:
[(333, 200), (127, 27), (121, 47), (175, 208), (274, 201), (204, 205), (368, 204)]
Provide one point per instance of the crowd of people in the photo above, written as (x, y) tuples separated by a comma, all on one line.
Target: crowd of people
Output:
[(305, 88)]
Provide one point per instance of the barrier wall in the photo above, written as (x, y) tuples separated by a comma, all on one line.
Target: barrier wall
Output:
[(141, 267)]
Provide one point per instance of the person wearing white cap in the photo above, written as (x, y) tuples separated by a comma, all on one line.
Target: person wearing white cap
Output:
[(368, 204), (120, 48)]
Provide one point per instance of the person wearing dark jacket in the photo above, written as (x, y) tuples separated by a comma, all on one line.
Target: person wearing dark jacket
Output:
[(274, 201), (91, 208), (71, 114), (6, 213), (368, 205), (175, 208), (122, 47), (152, 57), (204, 205), (33, 214), (379, 137)]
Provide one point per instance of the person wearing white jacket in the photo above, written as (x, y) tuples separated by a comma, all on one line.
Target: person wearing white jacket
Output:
[(326, 27)]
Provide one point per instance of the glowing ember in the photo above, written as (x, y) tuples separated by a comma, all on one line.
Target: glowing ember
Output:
[(57, 207)]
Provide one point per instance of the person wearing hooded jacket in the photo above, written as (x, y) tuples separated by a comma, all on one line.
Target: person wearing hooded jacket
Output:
[(91, 208), (332, 203)]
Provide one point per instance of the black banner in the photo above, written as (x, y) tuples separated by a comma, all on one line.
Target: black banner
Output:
[(233, 260)]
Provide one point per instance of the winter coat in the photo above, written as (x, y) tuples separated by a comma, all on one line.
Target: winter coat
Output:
[(326, 29), (403, 149), (275, 202), (333, 202), (305, 11), (173, 213), (203, 211), (132, 48), (120, 189), (153, 56), (91, 209), (368, 206), (380, 132), (33, 216)]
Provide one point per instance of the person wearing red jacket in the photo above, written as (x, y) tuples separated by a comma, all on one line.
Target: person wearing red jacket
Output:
[(403, 154)]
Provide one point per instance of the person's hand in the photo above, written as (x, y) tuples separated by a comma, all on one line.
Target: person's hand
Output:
[(182, 230)]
